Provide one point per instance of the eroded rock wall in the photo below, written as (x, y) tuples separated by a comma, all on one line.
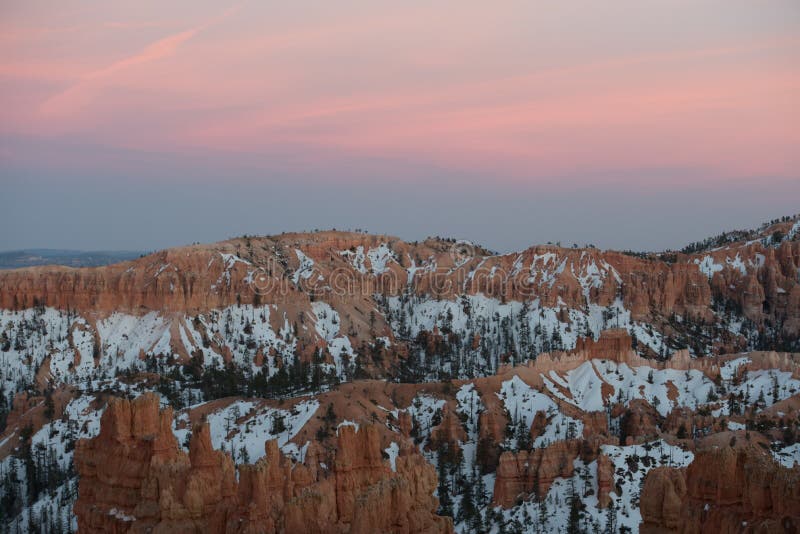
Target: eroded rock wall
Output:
[(135, 478)]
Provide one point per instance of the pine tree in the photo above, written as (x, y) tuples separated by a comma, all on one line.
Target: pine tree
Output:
[(445, 500), (467, 510), (611, 519), (761, 401), (278, 425), (523, 435), (574, 518), (484, 454)]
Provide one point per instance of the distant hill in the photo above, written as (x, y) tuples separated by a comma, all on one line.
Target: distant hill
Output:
[(14, 259)]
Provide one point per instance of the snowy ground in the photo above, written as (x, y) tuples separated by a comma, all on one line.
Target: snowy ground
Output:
[(631, 465), (522, 402), (529, 328), (788, 456), (242, 429), (654, 385)]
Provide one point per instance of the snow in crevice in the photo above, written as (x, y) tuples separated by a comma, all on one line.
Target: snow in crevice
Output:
[(242, 428), (787, 456), (327, 324), (229, 261), (356, 257), (707, 266), (522, 402), (393, 450), (425, 411), (379, 257), (306, 268), (347, 422)]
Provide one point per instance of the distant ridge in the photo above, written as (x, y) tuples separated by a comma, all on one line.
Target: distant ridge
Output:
[(14, 259)]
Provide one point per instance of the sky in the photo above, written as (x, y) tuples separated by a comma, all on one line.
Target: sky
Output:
[(628, 124)]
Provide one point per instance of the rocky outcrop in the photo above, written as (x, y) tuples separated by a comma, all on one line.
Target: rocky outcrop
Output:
[(638, 421), (761, 281), (611, 345), (723, 490), (524, 473), (31, 413), (449, 431), (492, 425), (663, 499), (605, 480), (682, 422), (135, 478)]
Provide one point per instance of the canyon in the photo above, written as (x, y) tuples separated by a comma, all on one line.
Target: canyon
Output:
[(345, 382)]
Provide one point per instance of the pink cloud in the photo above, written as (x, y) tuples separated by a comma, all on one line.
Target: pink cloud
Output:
[(494, 90), (79, 94)]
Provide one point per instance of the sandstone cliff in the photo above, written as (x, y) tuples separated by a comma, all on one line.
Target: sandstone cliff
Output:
[(349, 268), (135, 478), (522, 473), (724, 490)]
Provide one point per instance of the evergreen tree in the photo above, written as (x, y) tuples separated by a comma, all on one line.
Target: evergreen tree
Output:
[(574, 518), (523, 435), (442, 466), (611, 518)]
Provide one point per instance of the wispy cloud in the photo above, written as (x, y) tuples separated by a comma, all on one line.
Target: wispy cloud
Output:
[(124, 25), (81, 93)]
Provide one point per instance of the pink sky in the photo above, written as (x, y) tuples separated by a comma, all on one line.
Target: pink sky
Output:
[(526, 92)]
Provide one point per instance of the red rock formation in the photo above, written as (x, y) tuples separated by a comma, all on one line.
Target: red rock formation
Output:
[(594, 424), (539, 424), (21, 405), (405, 424), (609, 346), (663, 499), (30, 411), (723, 490), (519, 474), (639, 421), (450, 430), (199, 278), (605, 480), (492, 426), (683, 421), (134, 477)]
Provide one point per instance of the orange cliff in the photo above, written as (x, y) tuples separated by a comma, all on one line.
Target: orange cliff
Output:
[(135, 478), (724, 490), (202, 277), (522, 473)]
